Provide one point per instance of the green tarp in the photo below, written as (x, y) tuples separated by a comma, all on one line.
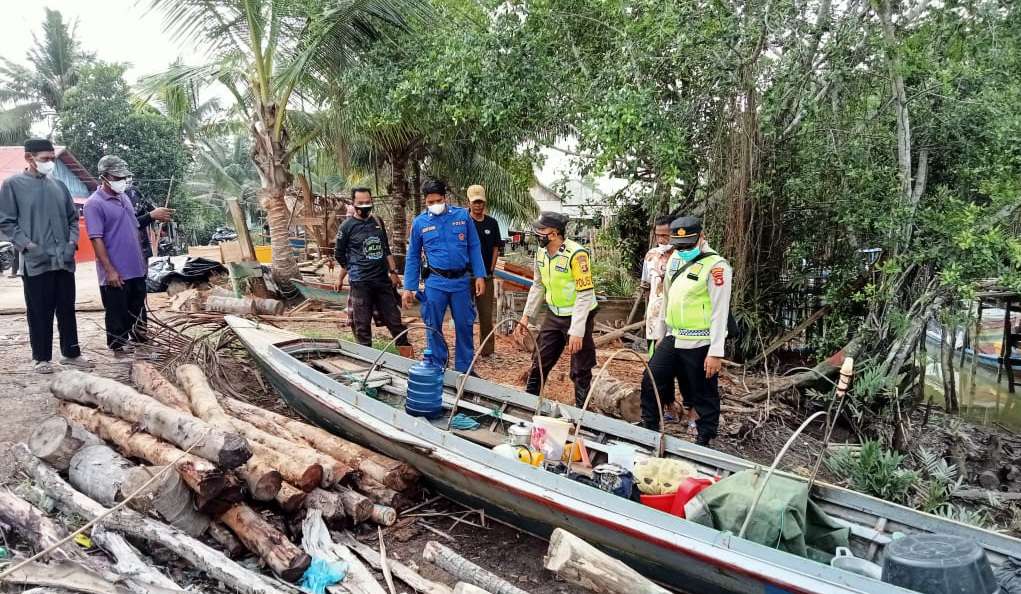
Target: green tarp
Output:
[(785, 518)]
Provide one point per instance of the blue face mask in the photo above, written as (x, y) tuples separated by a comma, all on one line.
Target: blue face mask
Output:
[(689, 255)]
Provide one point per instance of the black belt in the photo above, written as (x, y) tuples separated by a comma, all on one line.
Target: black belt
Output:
[(450, 273)]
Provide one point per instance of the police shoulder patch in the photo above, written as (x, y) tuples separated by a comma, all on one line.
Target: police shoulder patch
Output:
[(582, 259), (717, 274)]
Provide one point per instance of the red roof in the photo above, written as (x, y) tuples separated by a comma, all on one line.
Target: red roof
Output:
[(12, 161)]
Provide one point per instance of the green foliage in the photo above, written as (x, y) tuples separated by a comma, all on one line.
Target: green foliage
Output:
[(875, 471), (610, 271), (98, 119)]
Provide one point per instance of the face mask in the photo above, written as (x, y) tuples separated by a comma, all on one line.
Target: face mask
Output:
[(118, 186), (437, 209), (45, 167), (543, 239), (689, 255), (363, 209)]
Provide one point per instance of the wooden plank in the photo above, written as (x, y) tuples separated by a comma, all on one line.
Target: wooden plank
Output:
[(209, 252), (241, 226), (231, 252)]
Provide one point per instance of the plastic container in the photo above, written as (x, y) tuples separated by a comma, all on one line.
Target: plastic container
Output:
[(661, 502), (425, 389), (519, 434), (549, 436), (622, 455), (688, 488), (846, 561), (938, 564)]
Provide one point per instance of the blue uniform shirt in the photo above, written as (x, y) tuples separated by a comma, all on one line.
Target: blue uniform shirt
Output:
[(450, 242)]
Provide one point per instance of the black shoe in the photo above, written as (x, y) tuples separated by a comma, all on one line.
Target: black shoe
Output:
[(702, 441)]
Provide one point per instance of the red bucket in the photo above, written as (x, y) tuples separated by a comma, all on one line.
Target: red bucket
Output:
[(690, 487), (660, 502)]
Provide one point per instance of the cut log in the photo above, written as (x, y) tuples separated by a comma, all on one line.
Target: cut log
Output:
[(35, 529), (383, 495), (989, 480), (386, 471), (400, 571), (290, 498), (994, 498), (227, 450), (128, 562), (316, 540), (383, 515), (67, 575), (329, 504), (611, 336), (466, 571), (280, 555), (98, 471), (129, 522), (150, 381), (167, 497), (233, 492), (55, 442), (200, 475), (358, 507), (293, 462), (617, 399), (581, 564), (227, 541)]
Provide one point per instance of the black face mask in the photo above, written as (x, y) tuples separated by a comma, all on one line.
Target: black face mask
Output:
[(543, 239), (363, 211)]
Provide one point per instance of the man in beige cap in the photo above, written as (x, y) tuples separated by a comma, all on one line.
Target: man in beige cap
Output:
[(490, 240)]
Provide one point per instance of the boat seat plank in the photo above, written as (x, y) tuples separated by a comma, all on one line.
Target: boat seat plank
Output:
[(483, 437)]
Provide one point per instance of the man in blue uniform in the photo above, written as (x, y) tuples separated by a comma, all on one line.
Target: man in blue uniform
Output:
[(447, 236)]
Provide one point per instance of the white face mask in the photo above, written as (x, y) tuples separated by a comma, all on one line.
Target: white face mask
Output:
[(45, 167), (437, 209), (118, 186)]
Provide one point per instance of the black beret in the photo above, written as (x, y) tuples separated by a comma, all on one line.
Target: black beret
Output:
[(38, 145)]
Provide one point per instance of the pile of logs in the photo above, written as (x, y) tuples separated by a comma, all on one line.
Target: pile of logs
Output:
[(243, 477)]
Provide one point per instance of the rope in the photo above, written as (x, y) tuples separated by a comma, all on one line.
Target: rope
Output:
[(108, 512)]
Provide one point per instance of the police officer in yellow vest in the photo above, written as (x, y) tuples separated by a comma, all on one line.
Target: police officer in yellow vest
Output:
[(563, 275), (697, 289)]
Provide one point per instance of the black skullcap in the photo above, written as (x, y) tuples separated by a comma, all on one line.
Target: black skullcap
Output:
[(38, 145)]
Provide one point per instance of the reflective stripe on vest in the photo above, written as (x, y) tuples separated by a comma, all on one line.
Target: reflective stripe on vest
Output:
[(689, 310), (557, 279)]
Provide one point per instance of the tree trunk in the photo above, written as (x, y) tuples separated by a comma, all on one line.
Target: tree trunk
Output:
[(259, 473), (948, 342), (398, 190), (168, 497), (34, 528), (98, 471), (290, 498), (202, 557), (617, 399), (227, 450), (400, 571), (581, 564), (200, 475), (383, 495), (55, 442), (329, 503), (150, 381), (270, 154), (358, 507), (280, 555), (226, 539), (416, 172), (386, 471), (466, 571)]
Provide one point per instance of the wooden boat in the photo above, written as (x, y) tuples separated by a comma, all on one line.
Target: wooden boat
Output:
[(460, 464), (321, 292)]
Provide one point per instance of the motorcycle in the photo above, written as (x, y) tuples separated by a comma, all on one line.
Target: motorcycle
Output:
[(6, 255), (222, 234)]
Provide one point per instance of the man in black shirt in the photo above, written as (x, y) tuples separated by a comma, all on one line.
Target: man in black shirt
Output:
[(363, 252), (490, 240), (146, 213)]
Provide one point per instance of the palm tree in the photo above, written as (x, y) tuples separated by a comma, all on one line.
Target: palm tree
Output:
[(55, 61), (267, 52)]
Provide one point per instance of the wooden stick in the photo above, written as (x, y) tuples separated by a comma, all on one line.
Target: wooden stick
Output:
[(35, 529), (227, 450), (611, 336), (581, 564), (400, 571), (466, 571), (208, 560)]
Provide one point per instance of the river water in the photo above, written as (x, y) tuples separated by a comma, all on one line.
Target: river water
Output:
[(982, 400)]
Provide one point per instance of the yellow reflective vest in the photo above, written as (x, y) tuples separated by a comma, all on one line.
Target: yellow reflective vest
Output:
[(689, 311), (565, 273)]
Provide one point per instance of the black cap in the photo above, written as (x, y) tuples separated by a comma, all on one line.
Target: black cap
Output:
[(551, 219), (38, 145), (684, 231)]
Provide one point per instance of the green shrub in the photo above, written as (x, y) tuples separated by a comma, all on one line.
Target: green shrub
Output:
[(876, 471)]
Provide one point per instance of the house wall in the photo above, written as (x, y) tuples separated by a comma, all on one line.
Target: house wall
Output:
[(74, 185)]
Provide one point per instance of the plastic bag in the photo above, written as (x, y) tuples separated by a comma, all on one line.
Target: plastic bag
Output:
[(322, 574)]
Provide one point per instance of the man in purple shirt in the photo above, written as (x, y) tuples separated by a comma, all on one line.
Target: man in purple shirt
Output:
[(113, 229)]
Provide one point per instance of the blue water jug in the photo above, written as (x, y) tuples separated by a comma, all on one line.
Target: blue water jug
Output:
[(425, 389)]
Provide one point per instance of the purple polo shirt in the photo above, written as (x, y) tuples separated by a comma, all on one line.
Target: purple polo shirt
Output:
[(112, 217)]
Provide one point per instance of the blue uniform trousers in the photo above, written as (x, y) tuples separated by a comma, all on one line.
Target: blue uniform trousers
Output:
[(459, 298)]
